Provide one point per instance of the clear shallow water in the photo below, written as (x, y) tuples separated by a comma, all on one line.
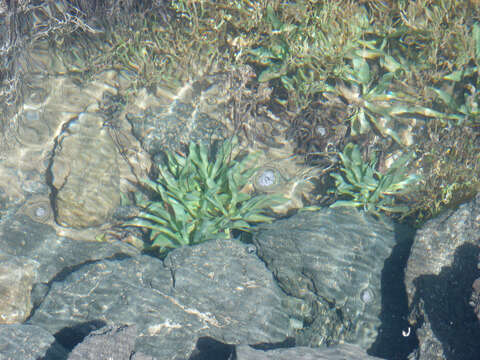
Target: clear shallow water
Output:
[(57, 155)]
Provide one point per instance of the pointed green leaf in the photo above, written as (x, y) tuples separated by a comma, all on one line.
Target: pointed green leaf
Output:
[(272, 18), (345, 203), (476, 38), (163, 241), (383, 84), (258, 218), (446, 98), (262, 55), (240, 225), (272, 72), (362, 70), (154, 219), (389, 63)]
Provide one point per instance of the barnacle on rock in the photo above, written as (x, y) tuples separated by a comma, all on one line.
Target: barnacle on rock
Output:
[(38, 208), (367, 295), (266, 179)]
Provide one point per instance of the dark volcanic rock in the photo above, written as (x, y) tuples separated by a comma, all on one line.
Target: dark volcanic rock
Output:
[(112, 342), (32, 256), (338, 352), (441, 270), (235, 287), (21, 342), (21, 236), (333, 260), (216, 289), (475, 299)]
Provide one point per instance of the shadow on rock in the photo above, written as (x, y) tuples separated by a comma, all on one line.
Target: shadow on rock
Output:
[(390, 343), (443, 302)]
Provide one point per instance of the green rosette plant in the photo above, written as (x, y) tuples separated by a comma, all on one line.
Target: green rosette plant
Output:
[(198, 197), (365, 187)]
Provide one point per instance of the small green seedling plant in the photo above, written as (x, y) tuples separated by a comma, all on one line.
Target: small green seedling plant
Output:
[(365, 187), (198, 197)]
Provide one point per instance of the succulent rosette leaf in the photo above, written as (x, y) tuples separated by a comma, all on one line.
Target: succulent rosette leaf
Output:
[(363, 186), (198, 197)]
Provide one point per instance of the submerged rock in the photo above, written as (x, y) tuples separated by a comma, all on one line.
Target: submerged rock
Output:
[(85, 173), (197, 111), (338, 352), (32, 255), (333, 260), (441, 271), (111, 342), (17, 276), (25, 342), (216, 289)]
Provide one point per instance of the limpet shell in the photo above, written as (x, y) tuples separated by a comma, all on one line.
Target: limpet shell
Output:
[(266, 179), (32, 128), (367, 295), (38, 209)]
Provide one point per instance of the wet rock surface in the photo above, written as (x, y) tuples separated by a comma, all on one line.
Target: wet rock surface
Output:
[(112, 342), (475, 299), (61, 163), (171, 122), (441, 270), (221, 291), (32, 255), (338, 352), (216, 289), (117, 342), (85, 173), (29, 342), (206, 108), (17, 276), (332, 259), (23, 238)]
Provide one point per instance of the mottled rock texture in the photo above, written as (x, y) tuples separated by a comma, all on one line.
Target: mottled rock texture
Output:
[(338, 352), (111, 342), (333, 260), (29, 342), (475, 299), (32, 256), (441, 270), (17, 276), (85, 173), (217, 289)]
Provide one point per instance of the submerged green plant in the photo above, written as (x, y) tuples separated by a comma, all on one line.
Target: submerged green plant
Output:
[(377, 103), (367, 187), (276, 56), (198, 197), (449, 163)]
